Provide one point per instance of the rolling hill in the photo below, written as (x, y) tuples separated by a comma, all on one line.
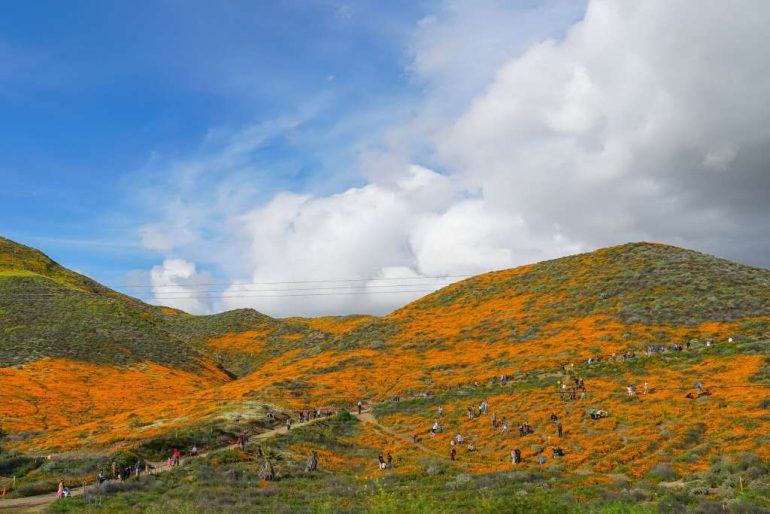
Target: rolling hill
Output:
[(537, 325)]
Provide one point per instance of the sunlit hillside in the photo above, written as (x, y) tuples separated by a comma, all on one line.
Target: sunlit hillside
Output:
[(87, 371)]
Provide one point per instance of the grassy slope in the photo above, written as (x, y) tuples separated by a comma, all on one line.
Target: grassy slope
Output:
[(529, 322), (49, 311)]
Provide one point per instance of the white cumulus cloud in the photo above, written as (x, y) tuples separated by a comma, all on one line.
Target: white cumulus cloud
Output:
[(641, 121)]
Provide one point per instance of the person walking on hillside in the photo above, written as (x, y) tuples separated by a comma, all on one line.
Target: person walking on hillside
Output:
[(288, 424), (494, 420), (515, 456), (176, 454), (381, 461), (452, 453), (360, 407), (559, 428), (60, 490), (646, 388), (389, 464)]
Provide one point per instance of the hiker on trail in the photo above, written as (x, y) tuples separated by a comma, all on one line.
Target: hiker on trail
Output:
[(389, 464), (515, 456), (194, 451), (559, 428), (100, 477), (521, 430), (494, 420), (60, 490), (381, 461), (452, 453), (504, 426), (646, 388), (440, 411), (360, 407), (459, 439), (288, 423), (470, 412), (176, 454), (138, 468), (592, 413)]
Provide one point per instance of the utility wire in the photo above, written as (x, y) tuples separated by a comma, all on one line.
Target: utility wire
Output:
[(314, 281), (211, 296)]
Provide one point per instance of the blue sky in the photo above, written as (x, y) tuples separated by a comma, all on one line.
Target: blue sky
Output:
[(91, 91), (176, 143)]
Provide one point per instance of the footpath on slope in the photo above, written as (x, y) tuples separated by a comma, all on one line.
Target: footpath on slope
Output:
[(40, 502)]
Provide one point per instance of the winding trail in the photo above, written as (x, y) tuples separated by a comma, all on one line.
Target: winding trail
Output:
[(40, 502)]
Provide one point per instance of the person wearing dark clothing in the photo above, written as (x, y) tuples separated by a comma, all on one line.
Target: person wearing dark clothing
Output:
[(559, 428)]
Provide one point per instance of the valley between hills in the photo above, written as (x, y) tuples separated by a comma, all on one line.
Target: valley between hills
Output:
[(91, 376)]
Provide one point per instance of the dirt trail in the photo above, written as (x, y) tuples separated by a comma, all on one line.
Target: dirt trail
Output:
[(367, 417), (40, 502)]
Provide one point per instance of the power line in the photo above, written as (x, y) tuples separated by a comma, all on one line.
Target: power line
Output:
[(211, 296), (314, 281), (238, 289)]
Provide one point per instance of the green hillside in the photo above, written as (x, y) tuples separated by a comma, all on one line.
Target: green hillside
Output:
[(632, 283), (49, 311)]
